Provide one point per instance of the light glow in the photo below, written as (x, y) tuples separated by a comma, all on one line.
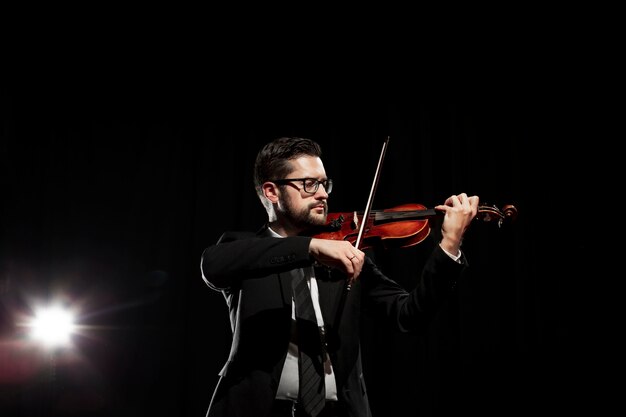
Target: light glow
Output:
[(52, 326)]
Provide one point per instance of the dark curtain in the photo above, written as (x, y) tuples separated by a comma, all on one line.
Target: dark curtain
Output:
[(112, 187)]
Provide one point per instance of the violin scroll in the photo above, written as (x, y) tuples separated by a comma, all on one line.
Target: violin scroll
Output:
[(492, 213)]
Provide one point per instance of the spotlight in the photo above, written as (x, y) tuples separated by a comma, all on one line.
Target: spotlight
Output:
[(52, 326)]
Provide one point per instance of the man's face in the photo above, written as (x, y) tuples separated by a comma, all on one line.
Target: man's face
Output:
[(301, 208)]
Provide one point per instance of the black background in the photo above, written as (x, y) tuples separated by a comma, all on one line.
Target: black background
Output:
[(119, 166)]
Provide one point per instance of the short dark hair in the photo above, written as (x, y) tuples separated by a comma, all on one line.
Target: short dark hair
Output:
[(272, 161)]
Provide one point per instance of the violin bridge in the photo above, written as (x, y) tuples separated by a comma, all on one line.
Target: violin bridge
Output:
[(355, 221)]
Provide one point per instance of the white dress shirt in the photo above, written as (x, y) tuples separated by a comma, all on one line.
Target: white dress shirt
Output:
[(289, 381)]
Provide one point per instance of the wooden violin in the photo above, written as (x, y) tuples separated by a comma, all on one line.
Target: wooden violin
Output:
[(398, 227), (401, 226)]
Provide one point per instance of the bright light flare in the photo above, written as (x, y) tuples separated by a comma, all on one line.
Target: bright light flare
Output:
[(52, 326)]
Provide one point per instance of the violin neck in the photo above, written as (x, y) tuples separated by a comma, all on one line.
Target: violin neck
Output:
[(389, 216)]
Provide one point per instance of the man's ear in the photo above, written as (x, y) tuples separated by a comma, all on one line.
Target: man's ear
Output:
[(270, 191)]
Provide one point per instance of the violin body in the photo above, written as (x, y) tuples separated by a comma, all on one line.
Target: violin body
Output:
[(397, 227)]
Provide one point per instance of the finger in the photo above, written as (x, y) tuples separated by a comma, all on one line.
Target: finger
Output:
[(354, 276), (355, 254), (355, 264), (452, 201)]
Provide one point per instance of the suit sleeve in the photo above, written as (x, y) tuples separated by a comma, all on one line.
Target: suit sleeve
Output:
[(238, 256), (408, 310)]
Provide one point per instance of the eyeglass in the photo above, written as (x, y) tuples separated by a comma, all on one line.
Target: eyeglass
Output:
[(310, 185)]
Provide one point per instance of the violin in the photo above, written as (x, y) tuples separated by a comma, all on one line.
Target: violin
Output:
[(398, 227), (401, 226)]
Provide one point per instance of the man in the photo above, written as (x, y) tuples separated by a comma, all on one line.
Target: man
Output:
[(296, 342)]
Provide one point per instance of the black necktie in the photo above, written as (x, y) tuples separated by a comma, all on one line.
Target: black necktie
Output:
[(312, 391)]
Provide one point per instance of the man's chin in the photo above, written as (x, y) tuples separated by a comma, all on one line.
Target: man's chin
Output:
[(317, 220)]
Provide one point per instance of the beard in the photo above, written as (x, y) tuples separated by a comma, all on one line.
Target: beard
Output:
[(304, 218)]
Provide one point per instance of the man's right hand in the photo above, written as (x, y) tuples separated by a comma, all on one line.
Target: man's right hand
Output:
[(338, 254)]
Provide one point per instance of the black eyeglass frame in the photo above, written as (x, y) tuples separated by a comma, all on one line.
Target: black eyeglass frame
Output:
[(327, 183)]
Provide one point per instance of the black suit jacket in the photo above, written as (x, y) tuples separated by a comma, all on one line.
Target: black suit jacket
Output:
[(254, 273)]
